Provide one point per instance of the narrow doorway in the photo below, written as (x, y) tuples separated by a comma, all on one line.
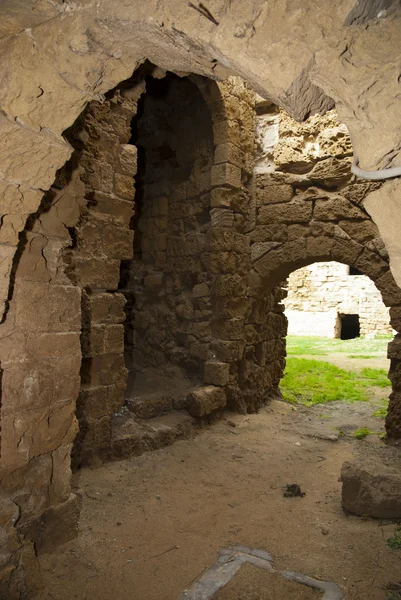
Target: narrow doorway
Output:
[(350, 327)]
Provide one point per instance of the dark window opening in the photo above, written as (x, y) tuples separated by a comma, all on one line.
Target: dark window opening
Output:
[(354, 271), (350, 327)]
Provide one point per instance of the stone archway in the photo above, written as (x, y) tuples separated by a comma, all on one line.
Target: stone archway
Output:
[(322, 249)]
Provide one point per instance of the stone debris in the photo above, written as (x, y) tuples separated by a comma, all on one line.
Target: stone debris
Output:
[(371, 489)]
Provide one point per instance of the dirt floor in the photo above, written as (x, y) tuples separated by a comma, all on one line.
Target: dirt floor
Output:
[(152, 524)]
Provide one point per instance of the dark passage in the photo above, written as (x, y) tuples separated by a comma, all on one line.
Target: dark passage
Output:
[(350, 328)]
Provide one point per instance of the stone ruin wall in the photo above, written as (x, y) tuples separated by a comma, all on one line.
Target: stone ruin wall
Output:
[(319, 293), (298, 206), (308, 208)]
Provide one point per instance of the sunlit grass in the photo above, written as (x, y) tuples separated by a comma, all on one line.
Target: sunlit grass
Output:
[(356, 348), (309, 382)]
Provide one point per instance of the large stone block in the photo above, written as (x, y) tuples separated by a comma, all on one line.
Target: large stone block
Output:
[(226, 174), (97, 273), (337, 209), (227, 152), (290, 212), (124, 186), (104, 369), (120, 211), (51, 308), (204, 400), (103, 308), (216, 373), (56, 526), (127, 159), (371, 490)]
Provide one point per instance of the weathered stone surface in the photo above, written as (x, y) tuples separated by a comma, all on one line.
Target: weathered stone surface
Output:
[(56, 526), (216, 373), (204, 400), (371, 490)]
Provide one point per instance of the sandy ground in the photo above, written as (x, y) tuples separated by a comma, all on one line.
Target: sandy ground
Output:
[(152, 524)]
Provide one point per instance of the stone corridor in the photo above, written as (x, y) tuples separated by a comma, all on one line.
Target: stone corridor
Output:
[(164, 170)]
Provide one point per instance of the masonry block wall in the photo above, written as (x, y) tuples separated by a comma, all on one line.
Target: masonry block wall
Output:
[(309, 208), (320, 293), (167, 284), (64, 368)]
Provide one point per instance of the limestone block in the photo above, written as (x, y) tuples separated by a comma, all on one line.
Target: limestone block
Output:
[(224, 239), (395, 317), (228, 329), (6, 263), (390, 291), (221, 217), (226, 174), (276, 232), (291, 212), (226, 131), (216, 373), (97, 273), (361, 232), (336, 209), (201, 290), (371, 489), (97, 175), (102, 339), (127, 158), (104, 369), (222, 197), (222, 262), (124, 186), (394, 348), (121, 211), (17, 202), (371, 264), (227, 152), (393, 418), (104, 308), (227, 350), (298, 231), (204, 400), (270, 192), (259, 249), (331, 172)]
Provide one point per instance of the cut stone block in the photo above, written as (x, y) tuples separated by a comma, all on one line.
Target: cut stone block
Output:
[(205, 400), (372, 490), (216, 373)]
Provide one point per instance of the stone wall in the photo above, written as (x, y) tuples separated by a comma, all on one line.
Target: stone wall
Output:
[(247, 230), (167, 283), (319, 293), (309, 208)]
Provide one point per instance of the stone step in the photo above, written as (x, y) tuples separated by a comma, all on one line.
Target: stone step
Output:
[(133, 437), (155, 404)]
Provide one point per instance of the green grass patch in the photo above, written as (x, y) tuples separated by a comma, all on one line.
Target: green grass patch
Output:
[(356, 348), (309, 382), (362, 432), (381, 413), (376, 377), (394, 542)]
